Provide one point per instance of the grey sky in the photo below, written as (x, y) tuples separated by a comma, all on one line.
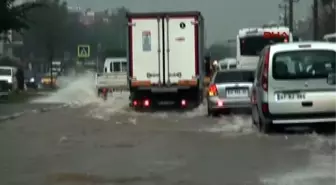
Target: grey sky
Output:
[(223, 17)]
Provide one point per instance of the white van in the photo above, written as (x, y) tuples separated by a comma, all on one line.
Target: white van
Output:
[(8, 80), (294, 85)]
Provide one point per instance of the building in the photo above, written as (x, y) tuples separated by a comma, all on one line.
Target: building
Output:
[(11, 39)]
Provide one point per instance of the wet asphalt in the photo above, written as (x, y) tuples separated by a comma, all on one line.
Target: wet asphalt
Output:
[(10, 109), (95, 145)]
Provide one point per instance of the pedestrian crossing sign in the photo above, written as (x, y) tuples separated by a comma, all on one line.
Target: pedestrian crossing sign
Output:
[(83, 51)]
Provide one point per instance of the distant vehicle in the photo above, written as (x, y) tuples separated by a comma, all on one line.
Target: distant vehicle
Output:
[(114, 76), (293, 85), (166, 58), (8, 80), (229, 89), (250, 42), (330, 37), (227, 63), (47, 80), (32, 79)]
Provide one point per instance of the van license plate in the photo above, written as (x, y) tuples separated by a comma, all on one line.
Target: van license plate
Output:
[(289, 96)]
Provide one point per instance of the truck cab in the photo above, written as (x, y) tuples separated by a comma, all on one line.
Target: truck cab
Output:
[(115, 65)]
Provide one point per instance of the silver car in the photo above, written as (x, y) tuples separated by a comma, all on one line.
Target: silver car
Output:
[(229, 89), (294, 85)]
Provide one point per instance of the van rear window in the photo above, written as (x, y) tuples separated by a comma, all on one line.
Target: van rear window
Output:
[(303, 64), (234, 76), (233, 66), (5, 72)]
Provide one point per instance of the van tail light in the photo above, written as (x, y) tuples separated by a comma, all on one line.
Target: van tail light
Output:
[(265, 109), (253, 97), (213, 90), (183, 103), (220, 103), (264, 77), (135, 103)]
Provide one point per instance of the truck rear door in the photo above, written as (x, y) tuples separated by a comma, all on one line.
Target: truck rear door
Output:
[(145, 58), (181, 46)]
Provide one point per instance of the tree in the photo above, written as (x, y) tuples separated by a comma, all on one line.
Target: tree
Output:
[(49, 30), (111, 33), (327, 17), (14, 17)]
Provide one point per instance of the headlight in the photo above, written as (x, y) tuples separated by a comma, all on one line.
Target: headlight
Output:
[(32, 80)]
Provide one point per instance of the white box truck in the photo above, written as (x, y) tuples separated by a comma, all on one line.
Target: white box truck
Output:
[(165, 54)]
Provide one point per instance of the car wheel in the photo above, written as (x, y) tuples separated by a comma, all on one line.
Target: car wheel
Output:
[(209, 111), (253, 121), (212, 113), (265, 127)]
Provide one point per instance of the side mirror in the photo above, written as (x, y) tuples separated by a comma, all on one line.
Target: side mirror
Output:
[(331, 79)]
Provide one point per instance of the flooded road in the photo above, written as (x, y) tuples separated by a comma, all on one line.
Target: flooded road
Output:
[(96, 142)]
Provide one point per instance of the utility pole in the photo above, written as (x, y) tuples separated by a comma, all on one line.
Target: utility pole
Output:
[(99, 46), (315, 19), (291, 13), (285, 14)]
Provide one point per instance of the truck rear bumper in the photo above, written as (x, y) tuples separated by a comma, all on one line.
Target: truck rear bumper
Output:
[(174, 89), (167, 95)]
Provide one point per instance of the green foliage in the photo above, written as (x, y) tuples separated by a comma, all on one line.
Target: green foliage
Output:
[(56, 30), (114, 53), (48, 29), (7, 61), (326, 21), (14, 17)]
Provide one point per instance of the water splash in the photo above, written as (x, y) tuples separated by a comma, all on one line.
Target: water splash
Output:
[(74, 90), (321, 167)]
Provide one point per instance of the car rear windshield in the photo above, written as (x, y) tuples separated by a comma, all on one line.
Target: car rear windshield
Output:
[(234, 76), (303, 64)]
